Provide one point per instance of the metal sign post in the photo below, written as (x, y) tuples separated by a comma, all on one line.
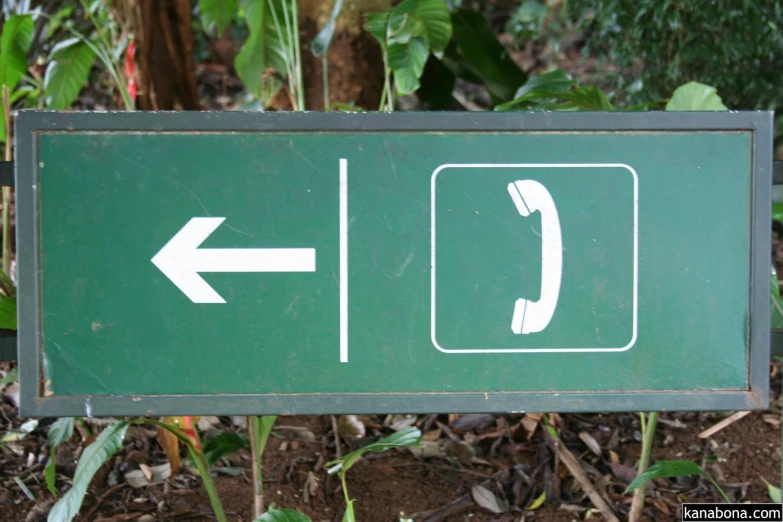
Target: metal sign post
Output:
[(197, 263)]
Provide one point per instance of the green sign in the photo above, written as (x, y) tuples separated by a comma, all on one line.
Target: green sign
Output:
[(310, 263)]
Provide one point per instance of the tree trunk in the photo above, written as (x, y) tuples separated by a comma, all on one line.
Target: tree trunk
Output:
[(166, 72), (355, 64)]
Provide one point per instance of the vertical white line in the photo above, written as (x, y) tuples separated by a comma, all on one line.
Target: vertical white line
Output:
[(343, 260)]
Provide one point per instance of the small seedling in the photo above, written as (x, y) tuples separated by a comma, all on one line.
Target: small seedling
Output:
[(410, 436), (672, 468)]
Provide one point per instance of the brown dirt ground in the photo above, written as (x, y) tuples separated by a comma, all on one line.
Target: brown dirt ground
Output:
[(396, 485)]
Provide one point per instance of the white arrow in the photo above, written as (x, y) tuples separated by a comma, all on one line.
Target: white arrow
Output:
[(181, 259)]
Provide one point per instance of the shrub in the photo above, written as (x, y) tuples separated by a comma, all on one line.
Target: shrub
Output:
[(734, 45)]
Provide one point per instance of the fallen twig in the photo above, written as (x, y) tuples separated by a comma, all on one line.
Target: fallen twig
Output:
[(448, 432), (103, 497), (568, 459), (337, 450), (731, 419)]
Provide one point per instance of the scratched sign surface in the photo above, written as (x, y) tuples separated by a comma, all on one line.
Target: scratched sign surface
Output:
[(263, 263)]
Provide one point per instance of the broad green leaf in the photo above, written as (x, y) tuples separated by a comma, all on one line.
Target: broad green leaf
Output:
[(22, 92), (376, 25), (577, 99), (532, 100), (695, 96), (403, 27), (323, 39), (69, 66), (60, 431), (665, 469), (433, 15), (483, 56), (585, 99), (410, 436), (93, 457), (50, 475), (15, 41), (407, 62), (8, 313), (223, 444), (283, 515), (772, 491), (262, 50), (554, 81), (219, 13), (407, 34), (777, 211), (261, 430)]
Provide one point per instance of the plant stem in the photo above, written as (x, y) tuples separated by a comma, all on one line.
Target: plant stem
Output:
[(104, 40), (720, 490), (105, 57), (383, 104), (285, 44), (7, 190), (387, 83), (258, 476), (325, 67), (298, 55), (345, 490), (209, 484), (259, 429), (647, 439)]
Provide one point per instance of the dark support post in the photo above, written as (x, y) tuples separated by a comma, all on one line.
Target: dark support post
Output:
[(776, 341), (7, 173), (7, 338), (7, 346)]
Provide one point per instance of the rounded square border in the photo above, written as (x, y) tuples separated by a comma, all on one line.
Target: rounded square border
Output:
[(433, 257)]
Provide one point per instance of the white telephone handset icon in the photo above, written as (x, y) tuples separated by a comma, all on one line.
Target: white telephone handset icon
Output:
[(533, 316)]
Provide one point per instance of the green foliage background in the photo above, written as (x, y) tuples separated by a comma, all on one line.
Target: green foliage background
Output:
[(733, 45)]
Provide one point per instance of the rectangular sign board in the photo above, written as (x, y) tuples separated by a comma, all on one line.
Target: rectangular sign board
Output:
[(242, 263)]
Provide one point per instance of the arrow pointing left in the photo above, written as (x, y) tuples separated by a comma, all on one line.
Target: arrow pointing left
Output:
[(181, 259)]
